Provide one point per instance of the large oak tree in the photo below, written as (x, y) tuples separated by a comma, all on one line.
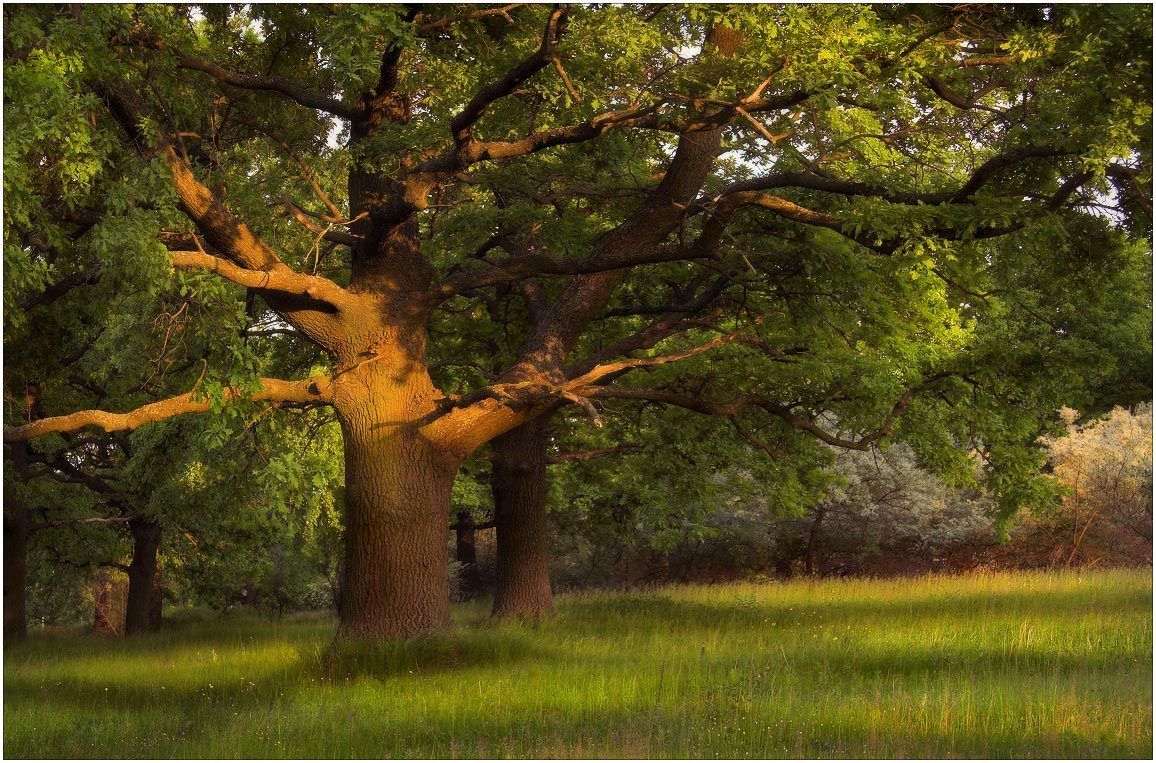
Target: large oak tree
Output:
[(369, 177)]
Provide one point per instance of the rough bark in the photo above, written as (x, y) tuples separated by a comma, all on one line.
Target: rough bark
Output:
[(142, 575), (397, 504), (519, 488), (17, 524)]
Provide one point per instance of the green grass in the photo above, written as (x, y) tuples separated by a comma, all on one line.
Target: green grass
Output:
[(996, 666)]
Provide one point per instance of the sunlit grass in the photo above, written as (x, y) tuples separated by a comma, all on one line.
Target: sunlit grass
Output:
[(1046, 666)]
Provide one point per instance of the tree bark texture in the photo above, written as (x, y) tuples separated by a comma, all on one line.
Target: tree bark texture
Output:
[(142, 575), (397, 504), (519, 488), (17, 525)]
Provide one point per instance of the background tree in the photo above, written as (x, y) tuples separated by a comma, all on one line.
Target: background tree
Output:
[(1105, 515)]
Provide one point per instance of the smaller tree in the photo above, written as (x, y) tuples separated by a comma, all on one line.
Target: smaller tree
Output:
[(1105, 515), (885, 512)]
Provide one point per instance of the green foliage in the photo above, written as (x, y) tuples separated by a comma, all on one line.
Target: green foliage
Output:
[(911, 320)]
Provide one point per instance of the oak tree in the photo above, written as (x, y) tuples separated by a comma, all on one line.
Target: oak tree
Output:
[(359, 180)]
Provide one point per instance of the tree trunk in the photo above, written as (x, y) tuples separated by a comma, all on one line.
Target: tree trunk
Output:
[(156, 606), (397, 507), (519, 487), (142, 575), (811, 561), (17, 524), (467, 555)]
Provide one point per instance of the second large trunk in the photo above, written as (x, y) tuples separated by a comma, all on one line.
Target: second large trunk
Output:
[(519, 487)]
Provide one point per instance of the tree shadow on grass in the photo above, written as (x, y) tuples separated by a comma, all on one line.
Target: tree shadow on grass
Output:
[(288, 706)]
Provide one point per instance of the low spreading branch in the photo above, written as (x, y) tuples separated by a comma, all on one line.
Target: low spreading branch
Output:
[(314, 391), (606, 369), (731, 408)]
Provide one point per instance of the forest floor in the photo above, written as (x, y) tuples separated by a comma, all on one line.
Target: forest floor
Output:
[(990, 666)]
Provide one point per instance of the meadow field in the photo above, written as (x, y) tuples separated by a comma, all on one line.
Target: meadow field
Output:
[(990, 666)]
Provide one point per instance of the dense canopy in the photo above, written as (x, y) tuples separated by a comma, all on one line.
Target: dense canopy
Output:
[(837, 224)]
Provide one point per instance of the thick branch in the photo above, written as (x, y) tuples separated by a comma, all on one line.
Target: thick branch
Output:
[(812, 181), (285, 282), (86, 277), (460, 125), (315, 391), (220, 226), (293, 90)]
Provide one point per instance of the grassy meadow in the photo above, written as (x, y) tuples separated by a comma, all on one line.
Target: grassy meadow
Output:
[(991, 666)]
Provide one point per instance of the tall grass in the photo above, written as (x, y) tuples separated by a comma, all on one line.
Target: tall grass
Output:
[(1037, 665)]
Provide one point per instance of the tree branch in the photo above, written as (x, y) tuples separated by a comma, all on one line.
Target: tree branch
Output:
[(461, 124), (283, 281), (315, 391), (588, 455), (88, 521), (219, 225), (86, 277), (606, 369), (775, 409), (292, 90), (432, 26)]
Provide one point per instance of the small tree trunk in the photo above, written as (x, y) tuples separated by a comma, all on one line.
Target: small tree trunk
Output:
[(142, 575), (519, 487), (467, 555), (156, 606), (813, 543), (17, 525)]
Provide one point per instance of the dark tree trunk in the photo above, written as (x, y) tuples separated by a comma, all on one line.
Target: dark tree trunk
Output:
[(467, 555), (17, 525), (142, 575), (519, 487), (812, 567)]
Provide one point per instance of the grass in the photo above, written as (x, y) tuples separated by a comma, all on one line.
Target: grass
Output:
[(995, 666)]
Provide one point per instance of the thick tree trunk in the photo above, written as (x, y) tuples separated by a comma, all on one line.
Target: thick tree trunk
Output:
[(142, 575), (17, 525), (519, 487), (397, 507)]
